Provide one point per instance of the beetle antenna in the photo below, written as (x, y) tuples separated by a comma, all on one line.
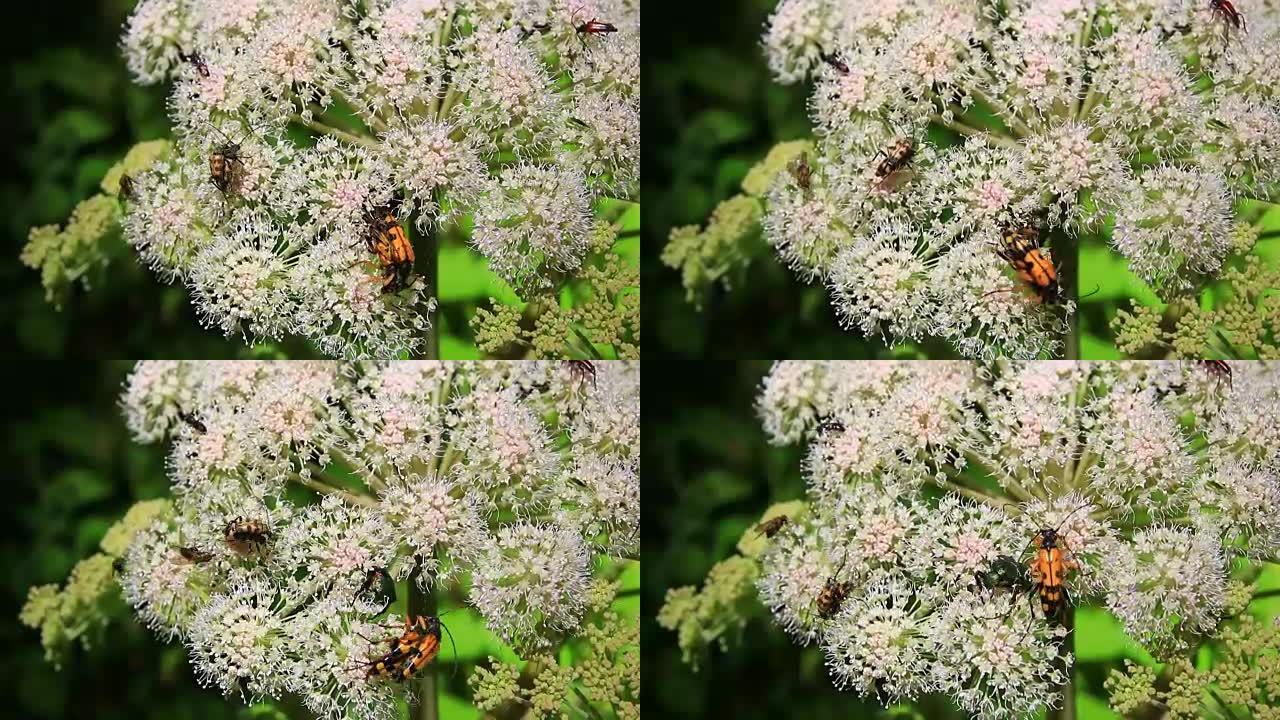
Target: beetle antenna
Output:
[(452, 645)]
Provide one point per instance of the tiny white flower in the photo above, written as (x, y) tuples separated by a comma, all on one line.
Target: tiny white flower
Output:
[(429, 111), (532, 582), (502, 484), (1168, 584), (940, 494)]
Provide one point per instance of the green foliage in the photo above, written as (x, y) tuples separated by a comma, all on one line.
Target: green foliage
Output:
[(1234, 316), (716, 614), (1243, 681), (720, 252), (74, 114), (711, 114), (81, 609), (708, 472), (81, 250), (72, 473), (596, 675), (593, 315)]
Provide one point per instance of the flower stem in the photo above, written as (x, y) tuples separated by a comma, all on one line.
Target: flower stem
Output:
[(335, 132), (971, 493), (423, 702), (326, 489), (1223, 703), (965, 129), (590, 711)]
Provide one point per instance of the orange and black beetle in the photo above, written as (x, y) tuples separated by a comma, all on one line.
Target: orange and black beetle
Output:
[(388, 240)]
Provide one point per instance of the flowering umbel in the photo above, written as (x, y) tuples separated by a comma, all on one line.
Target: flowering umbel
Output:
[(940, 128), (513, 485), (915, 560), (518, 116)]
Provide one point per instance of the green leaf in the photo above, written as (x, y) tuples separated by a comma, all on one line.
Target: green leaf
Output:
[(1092, 707), (629, 580), (1270, 219), (716, 128), (722, 488), (464, 275), (90, 532), (80, 487), (717, 75), (502, 292), (453, 347), (1093, 347), (1268, 249), (1099, 637), (630, 219), (472, 638), (629, 250), (453, 707), (82, 126), (1102, 267), (1267, 608), (263, 711), (630, 577)]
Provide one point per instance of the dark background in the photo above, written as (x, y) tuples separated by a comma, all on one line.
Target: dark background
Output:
[(69, 468), (711, 111), (73, 113), (70, 473), (708, 475)]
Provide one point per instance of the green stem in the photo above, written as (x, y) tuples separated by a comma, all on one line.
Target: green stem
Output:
[(971, 493), (1225, 707), (372, 120), (1002, 111), (591, 711), (447, 461), (335, 132), (443, 32), (423, 699), (1002, 477), (326, 489), (1082, 38), (1265, 594), (965, 129), (451, 97)]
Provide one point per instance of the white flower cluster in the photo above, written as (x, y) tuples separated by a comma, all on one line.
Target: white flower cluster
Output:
[(299, 123), (507, 479), (1155, 476), (1068, 116)]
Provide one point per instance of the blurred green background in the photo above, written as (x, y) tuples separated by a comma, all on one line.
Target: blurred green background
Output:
[(72, 473), (711, 111), (73, 113), (709, 475)]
